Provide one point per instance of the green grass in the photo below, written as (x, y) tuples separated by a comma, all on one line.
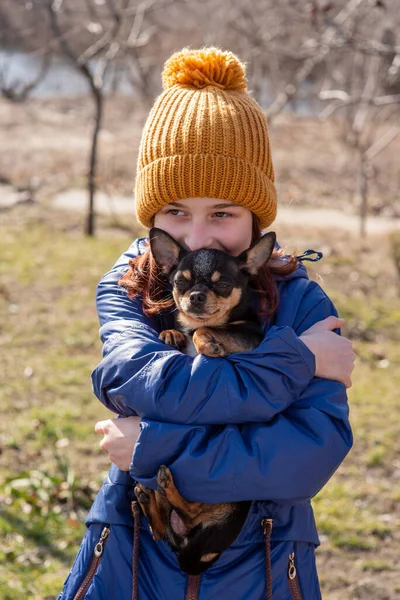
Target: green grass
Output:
[(51, 465), (50, 462), (356, 509)]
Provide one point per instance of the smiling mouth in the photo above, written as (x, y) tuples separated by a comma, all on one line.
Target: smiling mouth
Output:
[(201, 317)]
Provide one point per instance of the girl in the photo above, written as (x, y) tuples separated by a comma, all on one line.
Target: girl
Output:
[(270, 425)]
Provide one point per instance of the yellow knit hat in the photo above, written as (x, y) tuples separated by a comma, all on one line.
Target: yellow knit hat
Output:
[(205, 137)]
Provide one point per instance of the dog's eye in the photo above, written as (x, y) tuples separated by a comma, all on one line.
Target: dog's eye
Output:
[(223, 285), (181, 281)]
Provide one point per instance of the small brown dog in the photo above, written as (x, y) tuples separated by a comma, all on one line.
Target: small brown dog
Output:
[(212, 294)]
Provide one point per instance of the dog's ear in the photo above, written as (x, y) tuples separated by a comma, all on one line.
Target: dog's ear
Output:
[(252, 259), (165, 250)]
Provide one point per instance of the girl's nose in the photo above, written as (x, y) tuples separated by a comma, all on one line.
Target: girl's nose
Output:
[(198, 238)]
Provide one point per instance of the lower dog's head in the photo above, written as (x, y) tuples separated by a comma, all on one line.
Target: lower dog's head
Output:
[(200, 547), (208, 284)]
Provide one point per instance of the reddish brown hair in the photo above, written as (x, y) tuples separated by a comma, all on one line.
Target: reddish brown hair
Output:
[(145, 279)]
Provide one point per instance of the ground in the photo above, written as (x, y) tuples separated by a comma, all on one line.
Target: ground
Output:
[(50, 462)]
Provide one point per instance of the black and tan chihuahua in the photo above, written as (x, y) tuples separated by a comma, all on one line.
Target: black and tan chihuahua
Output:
[(213, 299)]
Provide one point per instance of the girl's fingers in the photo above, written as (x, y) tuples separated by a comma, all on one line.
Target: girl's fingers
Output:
[(101, 427), (333, 322)]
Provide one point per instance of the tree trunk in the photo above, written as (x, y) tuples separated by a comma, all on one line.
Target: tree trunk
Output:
[(363, 193), (90, 223)]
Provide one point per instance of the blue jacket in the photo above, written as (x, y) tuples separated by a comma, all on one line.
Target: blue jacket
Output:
[(252, 426)]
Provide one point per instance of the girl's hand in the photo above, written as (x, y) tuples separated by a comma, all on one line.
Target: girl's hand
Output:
[(334, 356), (119, 439)]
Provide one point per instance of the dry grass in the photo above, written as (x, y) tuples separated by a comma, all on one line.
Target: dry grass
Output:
[(50, 462)]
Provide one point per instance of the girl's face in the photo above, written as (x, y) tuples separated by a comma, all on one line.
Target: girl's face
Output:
[(207, 223)]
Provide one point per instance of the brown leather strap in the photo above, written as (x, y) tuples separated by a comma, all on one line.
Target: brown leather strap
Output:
[(193, 586), (135, 554), (293, 580), (266, 525)]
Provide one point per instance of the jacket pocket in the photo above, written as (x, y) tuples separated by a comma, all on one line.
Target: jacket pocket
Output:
[(293, 580), (94, 563)]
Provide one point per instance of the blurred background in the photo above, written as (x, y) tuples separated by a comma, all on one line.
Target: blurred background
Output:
[(77, 79)]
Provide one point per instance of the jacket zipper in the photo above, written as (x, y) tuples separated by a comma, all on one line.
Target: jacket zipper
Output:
[(293, 580), (97, 554)]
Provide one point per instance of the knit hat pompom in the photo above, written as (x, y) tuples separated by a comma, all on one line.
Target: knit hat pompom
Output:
[(207, 66)]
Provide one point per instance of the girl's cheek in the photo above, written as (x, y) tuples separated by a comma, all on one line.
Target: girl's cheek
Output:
[(236, 243)]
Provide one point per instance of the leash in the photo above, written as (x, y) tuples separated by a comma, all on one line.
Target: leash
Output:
[(193, 586), (135, 554), (266, 525)]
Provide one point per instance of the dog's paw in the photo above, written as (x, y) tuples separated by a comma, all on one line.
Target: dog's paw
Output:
[(164, 479), (207, 344), (173, 338), (143, 493)]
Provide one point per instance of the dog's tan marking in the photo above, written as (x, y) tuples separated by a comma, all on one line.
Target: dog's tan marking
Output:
[(186, 274), (216, 276), (191, 513), (211, 315), (207, 344), (187, 510), (155, 509), (208, 557), (191, 322), (214, 514), (177, 299), (215, 313), (173, 338), (235, 297), (219, 341)]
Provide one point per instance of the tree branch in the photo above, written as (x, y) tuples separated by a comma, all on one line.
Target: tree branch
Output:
[(311, 63)]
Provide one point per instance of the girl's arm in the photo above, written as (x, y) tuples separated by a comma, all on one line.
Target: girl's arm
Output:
[(288, 459), (141, 375)]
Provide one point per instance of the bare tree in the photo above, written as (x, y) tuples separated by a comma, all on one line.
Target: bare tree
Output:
[(108, 46), (364, 108), (121, 30), (316, 52), (344, 52), (17, 90)]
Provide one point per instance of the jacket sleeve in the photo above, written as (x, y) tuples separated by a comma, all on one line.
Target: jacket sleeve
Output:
[(288, 459), (140, 375)]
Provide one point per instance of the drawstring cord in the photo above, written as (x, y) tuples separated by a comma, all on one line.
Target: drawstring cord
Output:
[(307, 253)]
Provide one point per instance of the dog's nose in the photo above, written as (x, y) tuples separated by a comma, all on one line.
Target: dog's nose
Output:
[(197, 298)]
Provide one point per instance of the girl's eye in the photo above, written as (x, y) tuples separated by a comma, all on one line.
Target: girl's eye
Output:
[(221, 214), (174, 212)]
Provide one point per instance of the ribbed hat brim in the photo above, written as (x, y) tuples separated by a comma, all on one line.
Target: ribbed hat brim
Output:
[(175, 178)]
